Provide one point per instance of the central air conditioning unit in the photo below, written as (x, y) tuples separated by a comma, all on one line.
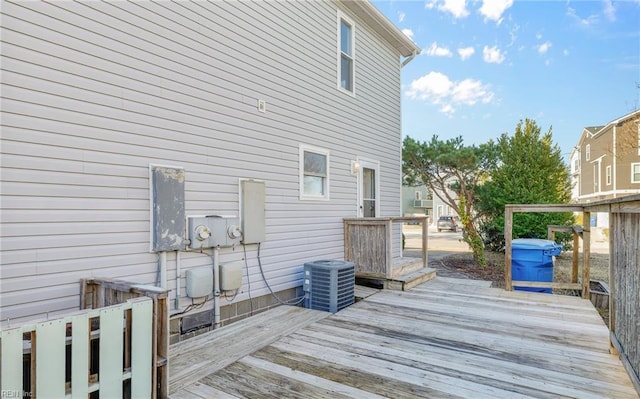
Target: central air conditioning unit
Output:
[(329, 285)]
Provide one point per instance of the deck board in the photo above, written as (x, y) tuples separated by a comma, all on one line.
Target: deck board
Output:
[(444, 339)]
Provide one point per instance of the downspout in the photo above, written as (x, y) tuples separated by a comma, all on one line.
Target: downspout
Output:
[(178, 272), (163, 269), (409, 58)]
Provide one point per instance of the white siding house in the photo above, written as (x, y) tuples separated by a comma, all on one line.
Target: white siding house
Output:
[(95, 92)]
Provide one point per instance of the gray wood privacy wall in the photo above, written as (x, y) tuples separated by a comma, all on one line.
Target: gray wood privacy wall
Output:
[(625, 251), (94, 92)]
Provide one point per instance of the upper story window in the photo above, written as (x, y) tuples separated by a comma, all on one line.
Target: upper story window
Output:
[(587, 152), (608, 175), (635, 173), (576, 165), (314, 173), (346, 54), (638, 138), (418, 195)]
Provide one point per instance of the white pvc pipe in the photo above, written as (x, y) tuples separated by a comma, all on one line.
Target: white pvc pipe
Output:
[(216, 288), (178, 265), (163, 269)]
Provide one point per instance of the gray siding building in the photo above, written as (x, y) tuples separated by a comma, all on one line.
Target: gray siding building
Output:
[(301, 96)]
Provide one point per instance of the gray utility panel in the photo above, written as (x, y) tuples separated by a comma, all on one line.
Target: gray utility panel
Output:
[(167, 208)]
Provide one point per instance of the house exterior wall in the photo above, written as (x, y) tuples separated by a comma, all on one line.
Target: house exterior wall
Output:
[(95, 92), (612, 148)]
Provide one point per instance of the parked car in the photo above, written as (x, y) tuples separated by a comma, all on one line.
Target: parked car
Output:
[(449, 223)]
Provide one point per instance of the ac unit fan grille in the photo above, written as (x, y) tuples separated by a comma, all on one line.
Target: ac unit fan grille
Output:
[(329, 285)]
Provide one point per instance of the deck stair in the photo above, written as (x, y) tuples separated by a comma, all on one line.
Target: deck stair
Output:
[(406, 274)]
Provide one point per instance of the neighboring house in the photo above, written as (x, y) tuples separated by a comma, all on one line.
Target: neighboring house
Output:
[(302, 98), (606, 164), (417, 201), (420, 201), (606, 161)]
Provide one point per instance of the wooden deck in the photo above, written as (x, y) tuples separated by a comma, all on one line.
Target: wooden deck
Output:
[(445, 338)]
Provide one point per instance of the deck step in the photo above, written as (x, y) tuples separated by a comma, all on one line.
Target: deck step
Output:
[(408, 281), (406, 265), (399, 283)]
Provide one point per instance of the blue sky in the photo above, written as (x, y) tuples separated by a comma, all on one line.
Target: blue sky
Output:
[(485, 65)]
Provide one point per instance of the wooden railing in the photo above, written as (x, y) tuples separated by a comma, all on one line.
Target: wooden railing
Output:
[(76, 355), (624, 279), (548, 208), (624, 270), (368, 243), (99, 292)]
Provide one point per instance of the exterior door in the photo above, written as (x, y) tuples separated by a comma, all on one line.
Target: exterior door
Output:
[(368, 189)]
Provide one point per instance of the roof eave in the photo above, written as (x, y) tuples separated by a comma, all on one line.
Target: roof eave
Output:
[(381, 24)]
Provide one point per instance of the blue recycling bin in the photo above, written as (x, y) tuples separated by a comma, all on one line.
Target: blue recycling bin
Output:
[(532, 260)]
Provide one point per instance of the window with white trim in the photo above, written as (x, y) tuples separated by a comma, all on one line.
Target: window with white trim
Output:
[(638, 138), (346, 53), (635, 173), (587, 152), (608, 175), (314, 173)]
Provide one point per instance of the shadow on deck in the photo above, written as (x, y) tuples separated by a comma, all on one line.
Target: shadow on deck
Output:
[(445, 338)]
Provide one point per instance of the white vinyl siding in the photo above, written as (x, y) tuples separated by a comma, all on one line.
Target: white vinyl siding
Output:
[(93, 92)]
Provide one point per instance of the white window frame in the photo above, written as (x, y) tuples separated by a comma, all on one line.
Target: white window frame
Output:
[(418, 195), (342, 17), (587, 152), (608, 175), (633, 166), (638, 138), (316, 150)]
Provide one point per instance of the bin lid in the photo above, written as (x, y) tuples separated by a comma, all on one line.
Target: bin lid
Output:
[(533, 243)]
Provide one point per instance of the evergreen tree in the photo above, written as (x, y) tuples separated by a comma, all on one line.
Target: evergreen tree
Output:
[(530, 170), (453, 172)]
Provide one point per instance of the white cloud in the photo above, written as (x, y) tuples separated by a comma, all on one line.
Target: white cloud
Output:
[(513, 34), (544, 47), (408, 33), (457, 8), (433, 87), (493, 55), (436, 88), (470, 91), (584, 22), (401, 16), (448, 110), (565, 52), (538, 36), (430, 4), (466, 52), (437, 51), (609, 10), (493, 9)]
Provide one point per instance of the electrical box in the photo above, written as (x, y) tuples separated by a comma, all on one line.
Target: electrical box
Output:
[(252, 211), (167, 208), (231, 276), (213, 231), (199, 282)]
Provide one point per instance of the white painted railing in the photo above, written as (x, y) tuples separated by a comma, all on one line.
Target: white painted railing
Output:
[(35, 360)]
